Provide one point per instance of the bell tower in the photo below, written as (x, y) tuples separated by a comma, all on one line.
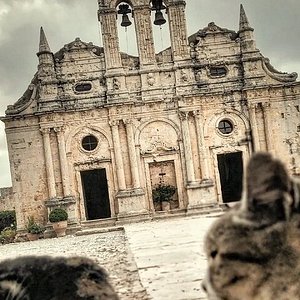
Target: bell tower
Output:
[(178, 29), (108, 10), (115, 76), (143, 11)]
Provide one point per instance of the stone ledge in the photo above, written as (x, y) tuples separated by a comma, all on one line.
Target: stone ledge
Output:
[(60, 201), (130, 193), (98, 230), (133, 217)]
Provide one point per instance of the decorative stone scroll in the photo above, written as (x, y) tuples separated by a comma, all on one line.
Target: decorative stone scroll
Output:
[(157, 145)]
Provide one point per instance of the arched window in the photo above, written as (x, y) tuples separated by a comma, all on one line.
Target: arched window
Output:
[(160, 27), (126, 29)]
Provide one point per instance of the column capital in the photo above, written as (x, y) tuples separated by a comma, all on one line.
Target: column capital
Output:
[(114, 122), (106, 11), (177, 3), (127, 121), (183, 115), (196, 113), (141, 7), (253, 105), (266, 105), (45, 130), (59, 129)]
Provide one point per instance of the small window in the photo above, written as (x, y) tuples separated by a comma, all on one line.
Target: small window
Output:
[(225, 127), (83, 87), (89, 143), (217, 71)]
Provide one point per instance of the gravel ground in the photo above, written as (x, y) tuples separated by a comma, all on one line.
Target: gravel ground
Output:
[(110, 250)]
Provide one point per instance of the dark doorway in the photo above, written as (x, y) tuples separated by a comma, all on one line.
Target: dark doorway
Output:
[(95, 192), (231, 176)]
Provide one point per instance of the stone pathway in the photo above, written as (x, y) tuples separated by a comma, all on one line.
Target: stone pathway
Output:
[(110, 250), (169, 255), (159, 260)]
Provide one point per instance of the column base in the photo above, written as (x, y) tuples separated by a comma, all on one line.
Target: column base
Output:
[(201, 194), (132, 202), (203, 209)]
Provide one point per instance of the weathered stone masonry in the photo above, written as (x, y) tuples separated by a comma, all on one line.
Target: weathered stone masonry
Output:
[(97, 129)]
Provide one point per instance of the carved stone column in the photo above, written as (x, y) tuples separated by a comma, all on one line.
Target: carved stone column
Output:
[(187, 147), (132, 155), (63, 161), (266, 108), (178, 30), (144, 34), (203, 156), (118, 154), (49, 163), (107, 18), (254, 129)]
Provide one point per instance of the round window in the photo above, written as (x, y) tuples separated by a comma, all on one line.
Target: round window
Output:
[(89, 143), (225, 127)]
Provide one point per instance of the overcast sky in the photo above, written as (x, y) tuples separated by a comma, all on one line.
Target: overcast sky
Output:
[(276, 24)]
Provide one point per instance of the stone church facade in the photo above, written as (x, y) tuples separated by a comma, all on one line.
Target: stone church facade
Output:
[(98, 129)]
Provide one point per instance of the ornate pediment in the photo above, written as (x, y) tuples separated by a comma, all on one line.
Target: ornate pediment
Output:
[(76, 45), (211, 29)]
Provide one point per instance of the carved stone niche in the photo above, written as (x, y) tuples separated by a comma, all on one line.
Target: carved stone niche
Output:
[(163, 173)]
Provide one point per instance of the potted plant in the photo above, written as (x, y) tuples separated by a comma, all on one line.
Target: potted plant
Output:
[(34, 230), (59, 218), (162, 194)]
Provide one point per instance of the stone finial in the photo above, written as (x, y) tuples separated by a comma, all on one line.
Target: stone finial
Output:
[(43, 46), (244, 23)]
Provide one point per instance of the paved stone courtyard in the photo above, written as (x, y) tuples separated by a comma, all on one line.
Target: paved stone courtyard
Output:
[(152, 260)]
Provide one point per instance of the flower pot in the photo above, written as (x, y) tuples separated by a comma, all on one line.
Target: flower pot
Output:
[(60, 228), (32, 236), (165, 205)]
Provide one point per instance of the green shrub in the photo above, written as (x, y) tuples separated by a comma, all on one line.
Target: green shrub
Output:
[(163, 192), (7, 235), (57, 215), (7, 219), (33, 227)]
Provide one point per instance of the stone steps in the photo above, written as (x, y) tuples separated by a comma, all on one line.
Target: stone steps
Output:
[(98, 230)]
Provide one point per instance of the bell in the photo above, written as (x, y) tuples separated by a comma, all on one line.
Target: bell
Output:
[(159, 18), (125, 21)]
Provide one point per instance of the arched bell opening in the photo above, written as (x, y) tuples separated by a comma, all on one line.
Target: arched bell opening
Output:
[(126, 28), (160, 25)]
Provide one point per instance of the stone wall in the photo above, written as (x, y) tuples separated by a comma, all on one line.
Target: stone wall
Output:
[(6, 199)]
